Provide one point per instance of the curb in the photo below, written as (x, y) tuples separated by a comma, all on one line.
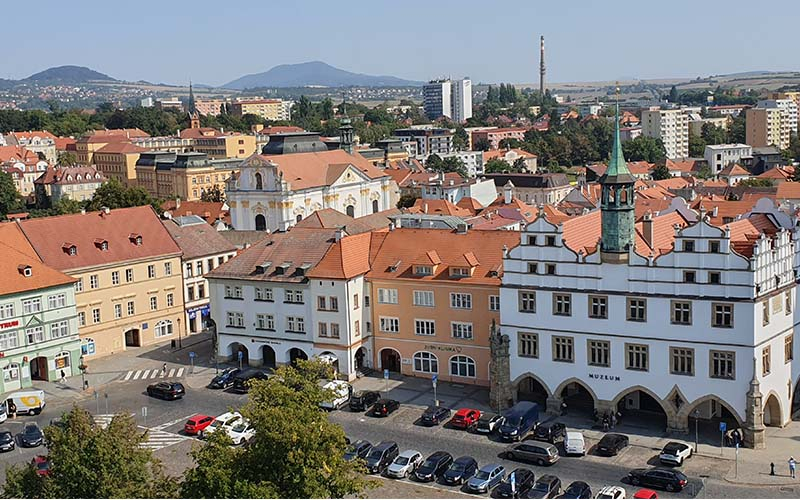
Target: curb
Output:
[(743, 483)]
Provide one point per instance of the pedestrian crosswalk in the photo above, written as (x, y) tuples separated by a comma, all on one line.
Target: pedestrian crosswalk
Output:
[(156, 438), (151, 374)]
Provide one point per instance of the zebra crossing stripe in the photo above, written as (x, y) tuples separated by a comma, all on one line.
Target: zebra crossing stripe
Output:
[(172, 373), (136, 375), (160, 439), (146, 374), (128, 375), (180, 372)]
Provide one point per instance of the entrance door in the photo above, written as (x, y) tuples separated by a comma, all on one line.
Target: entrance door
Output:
[(132, 338), (390, 360), (39, 368)]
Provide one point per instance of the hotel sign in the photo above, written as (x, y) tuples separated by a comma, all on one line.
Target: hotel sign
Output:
[(5, 325)]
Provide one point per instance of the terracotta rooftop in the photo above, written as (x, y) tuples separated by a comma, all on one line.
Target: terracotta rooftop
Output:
[(17, 153), (317, 169), (196, 133), (70, 175), (120, 147), (345, 259), (210, 211), (684, 166), (500, 153), (198, 240), (42, 134), (733, 169), (438, 207), (470, 203), (279, 129), (332, 219), (720, 210), (779, 173), (745, 232), (788, 190), (65, 143), (17, 255), (113, 135)]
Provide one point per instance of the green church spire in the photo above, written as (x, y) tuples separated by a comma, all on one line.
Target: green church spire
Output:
[(617, 165)]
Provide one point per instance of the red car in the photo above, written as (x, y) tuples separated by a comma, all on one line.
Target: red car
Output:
[(41, 464), (645, 493), (198, 423), (465, 418)]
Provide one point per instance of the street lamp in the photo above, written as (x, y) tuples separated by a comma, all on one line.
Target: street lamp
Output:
[(180, 344), (696, 432), (82, 367)]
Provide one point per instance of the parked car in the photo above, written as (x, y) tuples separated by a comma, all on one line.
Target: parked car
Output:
[(224, 379), (361, 400), (645, 494), (41, 464), (577, 489), (241, 432), (574, 444), (665, 479), (465, 418), (359, 449), (404, 464), (433, 466), (612, 493), (519, 420), (460, 470), (31, 436), (538, 452), (7, 441), (381, 455), (384, 407), (340, 390), (611, 444), (241, 382), (166, 390), (434, 415), (221, 423), (674, 453), (553, 432), (196, 424), (486, 478), (488, 422), (523, 482), (547, 486)]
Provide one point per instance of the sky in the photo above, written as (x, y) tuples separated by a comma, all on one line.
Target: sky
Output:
[(213, 42)]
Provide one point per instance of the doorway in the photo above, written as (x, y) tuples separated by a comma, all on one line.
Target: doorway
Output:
[(132, 338), (39, 369), (390, 360)]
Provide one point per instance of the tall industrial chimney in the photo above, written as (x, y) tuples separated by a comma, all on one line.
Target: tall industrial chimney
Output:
[(541, 65)]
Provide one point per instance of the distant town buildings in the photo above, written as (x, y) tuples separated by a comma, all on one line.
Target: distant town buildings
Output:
[(771, 123), (428, 140), (669, 125), (269, 109), (449, 98), (74, 182), (719, 156)]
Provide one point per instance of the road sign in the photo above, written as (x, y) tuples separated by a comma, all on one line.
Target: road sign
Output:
[(193, 355), (435, 378), (723, 427), (386, 373), (240, 355)]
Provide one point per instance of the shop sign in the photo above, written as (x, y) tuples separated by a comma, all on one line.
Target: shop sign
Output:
[(443, 348), (602, 376), (9, 324)]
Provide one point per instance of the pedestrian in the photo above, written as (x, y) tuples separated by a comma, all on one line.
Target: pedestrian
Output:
[(605, 423), (63, 377), (613, 420), (12, 408), (164, 369), (792, 467)]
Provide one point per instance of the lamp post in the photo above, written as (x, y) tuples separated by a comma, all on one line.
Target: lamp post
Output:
[(180, 344), (82, 367), (696, 431)]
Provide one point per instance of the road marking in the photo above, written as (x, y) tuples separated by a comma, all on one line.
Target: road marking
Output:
[(156, 374), (136, 375), (180, 372), (437, 488), (157, 439), (128, 376), (172, 372), (172, 422), (146, 374)]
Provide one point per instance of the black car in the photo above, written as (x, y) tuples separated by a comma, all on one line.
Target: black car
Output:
[(433, 466), (553, 433), (361, 400), (460, 470), (6, 441), (434, 415), (241, 382), (166, 390), (381, 455), (611, 444), (359, 449), (488, 423), (224, 379), (523, 482), (665, 479), (577, 489), (547, 486), (31, 436), (384, 407)]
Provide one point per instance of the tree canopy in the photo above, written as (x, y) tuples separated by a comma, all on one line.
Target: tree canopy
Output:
[(10, 201), (644, 148)]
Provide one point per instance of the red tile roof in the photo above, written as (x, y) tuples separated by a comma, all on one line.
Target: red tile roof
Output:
[(745, 232), (779, 173), (198, 240), (121, 148), (345, 259), (316, 169), (69, 175), (438, 207), (733, 169), (210, 211), (18, 254), (500, 153), (470, 204), (788, 191)]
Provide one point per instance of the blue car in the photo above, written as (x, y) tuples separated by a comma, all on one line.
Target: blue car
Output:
[(486, 478), (224, 379)]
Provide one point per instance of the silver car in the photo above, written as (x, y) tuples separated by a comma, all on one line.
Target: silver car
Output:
[(404, 464), (486, 478)]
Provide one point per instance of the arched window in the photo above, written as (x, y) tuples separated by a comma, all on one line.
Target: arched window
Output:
[(426, 362), (11, 372), (299, 217), (164, 328), (62, 360), (350, 210), (462, 366), (259, 181), (261, 222), (375, 206)]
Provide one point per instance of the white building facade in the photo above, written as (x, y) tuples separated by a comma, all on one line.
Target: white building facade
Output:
[(671, 126), (719, 156)]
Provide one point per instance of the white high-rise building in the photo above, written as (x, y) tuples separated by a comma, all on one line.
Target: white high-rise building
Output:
[(461, 102), (449, 98), (671, 126)]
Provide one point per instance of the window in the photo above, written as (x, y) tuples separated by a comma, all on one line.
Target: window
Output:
[(168, 268), (527, 302), (265, 322), (30, 306), (714, 278), (637, 309), (233, 292), (128, 275), (681, 312), (461, 272), (681, 361), (56, 301), (531, 240), (81, 318), (532, 267), (424, 327), (563, 349), (96, 315), (356, 303), (335, 330), (79, 285), (199, 268), (189, 272), (636, 357), (788, 300), (723, 364), (423, 270), (170, 300), (94, 282), (788, 348), (333, 303), (115, 278), (688, 245), (164, 328), (562, 304), (599, 353), (387, 295), (131, 308), (722, 316), (60, 329), (117, 311), (689, 277), (6, 310), (550, 241), (264, 294), (295, 324), (426, 362), (35, 334), (766, 361), (461, 300), (366, 300), (235, 319), (550, 269), (153, 303), (462, 366), (389, 325), (598, 306), (321, 303), (201, 290), (294, 296), (461, 330), (713, 246), (765, 312), (494, 302), (10, 372), (423, 298), (528, 345)]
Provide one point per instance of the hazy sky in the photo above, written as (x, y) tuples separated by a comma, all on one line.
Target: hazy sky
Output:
[(217, 41)]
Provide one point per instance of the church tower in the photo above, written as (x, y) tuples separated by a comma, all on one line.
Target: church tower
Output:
[(346, 133), (192, 106), (617, 203)]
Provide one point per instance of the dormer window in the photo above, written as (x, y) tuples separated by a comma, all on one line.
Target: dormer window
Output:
[(282, 268), (25, 270), (263, 267), (423, 270), (70, 249), (460, 272), (302, 269), (136, 239), (101, 244)]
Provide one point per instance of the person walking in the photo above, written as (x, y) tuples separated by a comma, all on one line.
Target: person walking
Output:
[(63, 377), (164, 370), (792, 467), (613, 420)]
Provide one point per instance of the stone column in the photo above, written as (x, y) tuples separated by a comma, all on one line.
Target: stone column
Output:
[(501, 394), (754, 429)]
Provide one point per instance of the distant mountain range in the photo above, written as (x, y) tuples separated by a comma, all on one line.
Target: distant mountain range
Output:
[(314, 73), (68, 74)]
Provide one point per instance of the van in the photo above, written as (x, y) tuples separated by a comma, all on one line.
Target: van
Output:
[(538, 452), (341, 393), (519, 420), (241, 382), (574, 444), (27, 402)]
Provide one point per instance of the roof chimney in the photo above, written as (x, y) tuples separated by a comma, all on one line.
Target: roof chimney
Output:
[(647, 228), (391, 226), (339, 234), (178, 202), (83, 211), (715, 211), (398, 223), (425, 208)]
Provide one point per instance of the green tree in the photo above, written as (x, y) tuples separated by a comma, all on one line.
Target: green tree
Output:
[(704, 172), (214, 194), (66, 205), (697, 145), (660, 172), (113, 194), (297, 452), (326, 109), (67, 159), (736, 130), (644, 148), (755, 182), (712, 134), (482, 144), (673, 94), (460, 138), (406, 201), (496, 166), (10, 201)]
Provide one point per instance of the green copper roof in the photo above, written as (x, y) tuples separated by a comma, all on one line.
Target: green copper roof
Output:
[(617, 170)]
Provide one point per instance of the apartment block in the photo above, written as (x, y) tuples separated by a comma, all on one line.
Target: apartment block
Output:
[(669, 125)]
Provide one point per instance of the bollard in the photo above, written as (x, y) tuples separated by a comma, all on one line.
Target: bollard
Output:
[(772, 468)]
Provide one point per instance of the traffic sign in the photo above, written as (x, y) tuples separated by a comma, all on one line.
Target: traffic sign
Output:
[(386, 373), (240, 355), (435, 378), (723, 426), (193, 355)]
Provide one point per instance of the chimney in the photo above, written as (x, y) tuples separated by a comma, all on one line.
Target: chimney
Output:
[(424, 208), (222, 130), (178, 202), (391, 226), (104, 211), (715, 211), (398, 223), (339, 234), (83, 211), (647, 228)]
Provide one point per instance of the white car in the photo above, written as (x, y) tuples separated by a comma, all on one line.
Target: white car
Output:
[(241, 431), (612, 493), (341, 392), (574, 444), (404, 464), (675, 452), (223, 422)]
